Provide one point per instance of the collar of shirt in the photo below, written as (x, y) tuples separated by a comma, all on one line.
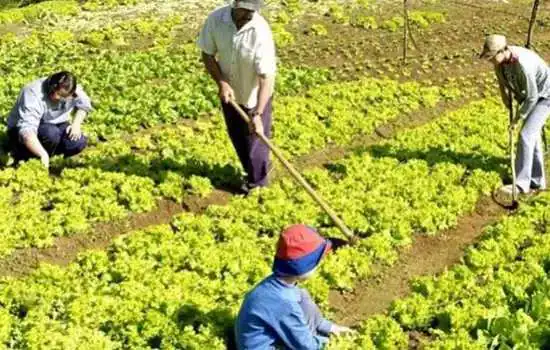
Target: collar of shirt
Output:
[(283, 283), (228, 19), (514, 58)]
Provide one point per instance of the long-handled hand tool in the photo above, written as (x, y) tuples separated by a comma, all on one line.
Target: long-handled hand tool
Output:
[(316, 197), (511, 131), (544, 140)]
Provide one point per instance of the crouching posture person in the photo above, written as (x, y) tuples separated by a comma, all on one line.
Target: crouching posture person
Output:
[(39, 123), (524, 76), (277, 313)]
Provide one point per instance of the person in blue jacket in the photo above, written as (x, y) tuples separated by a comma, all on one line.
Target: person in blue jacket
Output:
[(277, 313)]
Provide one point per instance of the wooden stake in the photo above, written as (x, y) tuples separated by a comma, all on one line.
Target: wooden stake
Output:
[(411, 36), (530, 45), (405, 30), (532, 22)]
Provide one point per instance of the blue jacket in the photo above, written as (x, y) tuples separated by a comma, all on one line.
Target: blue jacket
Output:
[(272, 317)]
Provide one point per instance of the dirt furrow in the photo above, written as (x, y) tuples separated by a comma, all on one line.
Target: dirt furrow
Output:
[(428, 255), (65, 249)]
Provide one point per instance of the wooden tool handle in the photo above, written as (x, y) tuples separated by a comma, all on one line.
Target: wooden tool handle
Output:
[(512, 150), (316, 197)]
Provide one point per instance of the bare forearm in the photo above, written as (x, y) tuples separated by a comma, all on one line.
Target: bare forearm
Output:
[(264, 92), (30, 140), (213, 68), (79, 116)]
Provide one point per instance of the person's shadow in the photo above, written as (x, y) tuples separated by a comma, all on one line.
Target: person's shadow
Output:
[(220, 319)]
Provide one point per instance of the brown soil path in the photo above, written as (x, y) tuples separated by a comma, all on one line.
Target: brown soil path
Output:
[(65, 249), (428, 255)]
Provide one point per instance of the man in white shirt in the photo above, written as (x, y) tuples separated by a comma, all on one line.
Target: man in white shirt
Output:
[(239, 53)]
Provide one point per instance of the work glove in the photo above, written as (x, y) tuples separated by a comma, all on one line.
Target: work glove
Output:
[(338, 330), (45, 160)]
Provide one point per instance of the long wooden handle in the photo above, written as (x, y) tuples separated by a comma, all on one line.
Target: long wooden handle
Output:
[(345, 230), (512, 150)]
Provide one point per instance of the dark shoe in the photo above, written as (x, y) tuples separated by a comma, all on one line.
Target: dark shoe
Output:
[(244, 189), (537, 188)]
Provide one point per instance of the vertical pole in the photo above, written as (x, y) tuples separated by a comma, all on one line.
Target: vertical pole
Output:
[(532, 22), (528, 45), (405, 30)]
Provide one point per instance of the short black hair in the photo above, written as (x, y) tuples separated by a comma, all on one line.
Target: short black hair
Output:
[(61, 81)]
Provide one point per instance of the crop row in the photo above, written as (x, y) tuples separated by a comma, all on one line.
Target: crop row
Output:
[(497, 298), (130, 90), (121, 176), (179, 285)]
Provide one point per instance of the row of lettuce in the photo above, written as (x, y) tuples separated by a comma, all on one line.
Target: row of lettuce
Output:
[(157, 79), (139, 72), (498, 298), (40, 10), (161, 287), (129, 175), (356, 13), (130, 90)]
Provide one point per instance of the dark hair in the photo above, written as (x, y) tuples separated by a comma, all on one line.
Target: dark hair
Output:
[(61, 81)]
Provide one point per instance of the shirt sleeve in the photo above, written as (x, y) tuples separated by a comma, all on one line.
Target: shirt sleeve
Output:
[(504, 91), (30, 112), (206, 40), (83, 101), (295, 333), (323, 325), (265, 61), (532, 93)]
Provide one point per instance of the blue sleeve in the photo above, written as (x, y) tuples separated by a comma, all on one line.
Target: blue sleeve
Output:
[(322, 325), (294, 332)]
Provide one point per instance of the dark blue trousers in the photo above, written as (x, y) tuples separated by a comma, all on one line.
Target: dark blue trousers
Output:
[(54, 139), (252, 152)]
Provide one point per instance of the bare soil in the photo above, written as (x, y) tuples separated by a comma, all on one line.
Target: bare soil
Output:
[(65, 249), (428, 255)]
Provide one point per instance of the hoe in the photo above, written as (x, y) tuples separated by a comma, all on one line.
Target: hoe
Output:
[(316, 197)]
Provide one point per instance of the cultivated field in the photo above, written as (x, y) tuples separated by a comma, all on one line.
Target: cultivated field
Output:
[(142, 242)]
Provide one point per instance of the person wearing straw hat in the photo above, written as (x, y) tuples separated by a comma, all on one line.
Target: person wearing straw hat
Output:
[(523, 75), (238, 51), (277, 313)]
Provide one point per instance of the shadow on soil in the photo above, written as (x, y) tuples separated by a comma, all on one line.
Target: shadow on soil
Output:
[(225, 177)]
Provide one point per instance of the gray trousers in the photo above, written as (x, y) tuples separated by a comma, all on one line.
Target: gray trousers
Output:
[(530, 152)]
